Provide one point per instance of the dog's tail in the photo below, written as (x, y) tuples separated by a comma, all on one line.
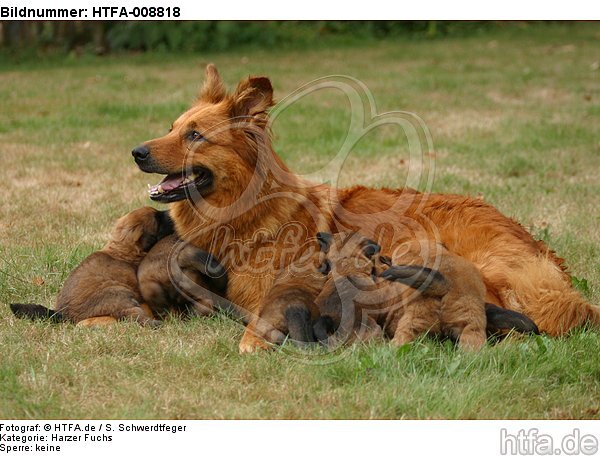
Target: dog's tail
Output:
[(429, 282), (36, 312), (500, 320)]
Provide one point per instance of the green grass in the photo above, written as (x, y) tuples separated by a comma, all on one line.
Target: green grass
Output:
[(514, 117)]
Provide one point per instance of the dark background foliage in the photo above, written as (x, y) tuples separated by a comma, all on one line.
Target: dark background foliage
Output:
[(40, 37)]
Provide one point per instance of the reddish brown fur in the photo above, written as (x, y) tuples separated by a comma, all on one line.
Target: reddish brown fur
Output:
[(296, 286), (500, 248)]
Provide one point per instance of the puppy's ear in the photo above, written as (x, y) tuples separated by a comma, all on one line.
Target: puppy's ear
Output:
[(213, 90), (325, 267), (165, 225), (371, 248), (385, 260), (147, 241), (324, 240), (252, 97), (430, 282)]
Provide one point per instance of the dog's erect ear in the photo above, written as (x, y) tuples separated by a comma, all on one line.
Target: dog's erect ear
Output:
[(252, 97), (324, 240), (371, 248), (213, 90)]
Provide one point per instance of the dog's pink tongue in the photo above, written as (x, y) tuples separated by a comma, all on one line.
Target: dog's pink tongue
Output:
[(170, 182)]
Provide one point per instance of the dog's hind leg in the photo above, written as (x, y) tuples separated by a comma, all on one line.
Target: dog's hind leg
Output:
[(472, 337), (139, 313), (119, 303), (142, 314), (419, 317)]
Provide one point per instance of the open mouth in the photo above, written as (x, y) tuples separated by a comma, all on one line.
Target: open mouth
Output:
[(180, 186)]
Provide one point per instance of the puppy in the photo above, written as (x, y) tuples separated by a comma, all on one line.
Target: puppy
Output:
[(454, 307), (179, 279), (352, 294), (289, 306), (105, 284), (412, 299)]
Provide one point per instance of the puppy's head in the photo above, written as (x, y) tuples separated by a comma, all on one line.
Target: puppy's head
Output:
[(212, 146), (350, 265), (350, 254), (136, 232)]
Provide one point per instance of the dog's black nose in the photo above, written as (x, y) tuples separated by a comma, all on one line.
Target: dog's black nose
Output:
[(140, 152)]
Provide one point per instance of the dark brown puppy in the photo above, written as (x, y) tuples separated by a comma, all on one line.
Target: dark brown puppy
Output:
[(353, 297), (104, 287), (179, 279), (433, 291)]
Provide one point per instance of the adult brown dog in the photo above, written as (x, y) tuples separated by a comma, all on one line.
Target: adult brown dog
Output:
[(222, 174), (104, 287)]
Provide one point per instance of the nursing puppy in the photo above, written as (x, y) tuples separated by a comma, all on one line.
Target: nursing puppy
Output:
[(291, 303), (291, 299), (454, 307), (176, 278), (433, 291), (104, 287)]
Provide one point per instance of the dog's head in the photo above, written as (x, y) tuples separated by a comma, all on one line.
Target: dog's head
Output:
[(350, 254), (351, 262), (212, 146), (136, 232)]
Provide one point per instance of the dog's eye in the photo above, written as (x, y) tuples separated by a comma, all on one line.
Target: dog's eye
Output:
[(194, 136)]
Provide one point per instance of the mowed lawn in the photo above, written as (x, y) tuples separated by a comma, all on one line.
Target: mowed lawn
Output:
[(514, 117)]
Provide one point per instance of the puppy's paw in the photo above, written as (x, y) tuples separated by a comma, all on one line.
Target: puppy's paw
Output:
[(251, 344), (153, 324), (97, 321), (401, 339)]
